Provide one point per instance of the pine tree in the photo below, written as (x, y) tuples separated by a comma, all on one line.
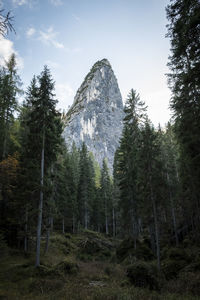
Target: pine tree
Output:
[(9, 89), (106, 196), (86, 187), (151, 182), (184, 63), (169, 154), (127, 165), (43, 139)]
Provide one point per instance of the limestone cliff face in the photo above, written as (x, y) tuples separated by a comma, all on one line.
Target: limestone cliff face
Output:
[(96, 115)]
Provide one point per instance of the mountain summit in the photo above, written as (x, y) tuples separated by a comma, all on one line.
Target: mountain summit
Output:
[(96, 115)]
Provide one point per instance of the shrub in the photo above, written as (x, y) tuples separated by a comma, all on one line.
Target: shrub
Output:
[(172, 267), (178, 254), (144, 252), (190, 282), (141, 274), (67, 266), (193, 267), (41, 286), (3, 247), (176, 260), (68, 235), (125, 249), (186, 283)]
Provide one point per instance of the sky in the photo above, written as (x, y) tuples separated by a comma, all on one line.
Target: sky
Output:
[(69, 36)]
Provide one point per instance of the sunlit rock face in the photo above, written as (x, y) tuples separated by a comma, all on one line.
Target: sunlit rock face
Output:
[(96, 116)]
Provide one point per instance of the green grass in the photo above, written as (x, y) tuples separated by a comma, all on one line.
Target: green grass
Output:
[(93, 280)]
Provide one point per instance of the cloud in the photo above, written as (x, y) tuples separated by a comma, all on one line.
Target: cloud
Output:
[(73, 50), (52, 64), (30, 3), (6, 50), (30, 32), (20, 2), (1, 4), (65, 95), (76, 18), (49, 38), (56, 2)]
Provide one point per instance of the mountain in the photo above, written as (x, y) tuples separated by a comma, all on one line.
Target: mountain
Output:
[(96, 115)]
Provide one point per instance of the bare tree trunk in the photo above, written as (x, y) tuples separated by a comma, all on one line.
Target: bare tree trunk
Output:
[(155, 220), (134, 225), (63, 225), (113, 215), (152, 237), (174, 222), (156, 228), (26, 231), (106, 220), (85, 215), (73, 224), (51, 223), (172, 211), (40, 208), (47, 235), (106, 214), (5, 140), (6, 134)]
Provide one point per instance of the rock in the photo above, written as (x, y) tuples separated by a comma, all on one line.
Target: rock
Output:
[(96, 284), (96, 116)]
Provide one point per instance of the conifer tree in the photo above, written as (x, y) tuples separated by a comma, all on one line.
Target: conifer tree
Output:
[(9, 89), (44, 137), (86, 187), (127, 165), (151, 182), (106, 195), (169, 155), (184, 64)]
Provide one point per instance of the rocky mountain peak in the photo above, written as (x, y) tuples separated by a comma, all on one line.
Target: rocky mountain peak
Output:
[(96, 114)]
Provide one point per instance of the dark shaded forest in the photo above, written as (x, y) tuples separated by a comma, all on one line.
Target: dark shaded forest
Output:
[(142, 221)]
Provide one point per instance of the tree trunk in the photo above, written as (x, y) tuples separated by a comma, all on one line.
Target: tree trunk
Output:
[(106, 219), (26, 231), (152, 237), (156, 230), (63, 225), (47, 236), (39, 225), (106, 214), (113, 215), (73, 224), (5, 140), (155, 222), (51, 223), (85, 215), (172, 211), (134, 225)]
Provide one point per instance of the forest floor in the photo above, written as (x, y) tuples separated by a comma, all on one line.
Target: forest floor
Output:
[(79, 267)]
